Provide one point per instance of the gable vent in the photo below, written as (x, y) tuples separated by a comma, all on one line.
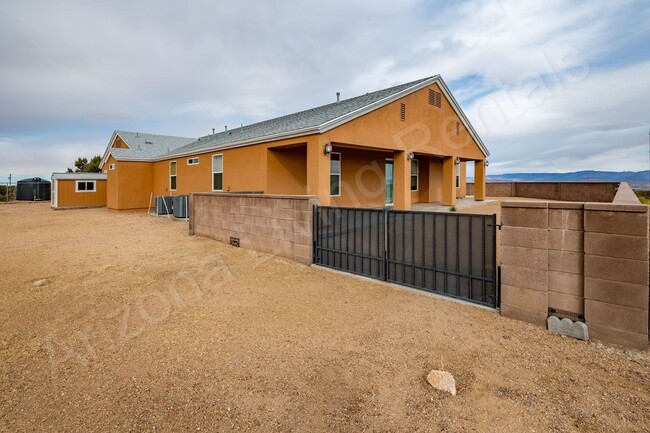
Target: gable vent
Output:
[(402, 112), (434, 98), (457, 128)]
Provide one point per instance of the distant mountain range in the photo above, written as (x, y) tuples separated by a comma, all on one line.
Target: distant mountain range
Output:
[(636, 179)]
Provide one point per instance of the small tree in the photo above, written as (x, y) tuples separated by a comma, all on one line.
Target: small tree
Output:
[(82, 165)]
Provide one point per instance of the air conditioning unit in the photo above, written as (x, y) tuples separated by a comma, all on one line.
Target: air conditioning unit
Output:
[(180, 206), (164, 205)]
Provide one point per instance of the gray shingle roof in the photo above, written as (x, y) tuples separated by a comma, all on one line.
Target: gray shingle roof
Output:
[(158, 147), (293, 122), (148, 145)]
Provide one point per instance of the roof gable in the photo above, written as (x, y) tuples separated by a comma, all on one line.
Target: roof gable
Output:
[(151, 147), (143, 146)]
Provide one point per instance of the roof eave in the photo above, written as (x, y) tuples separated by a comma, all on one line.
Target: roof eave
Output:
[(331, 124)]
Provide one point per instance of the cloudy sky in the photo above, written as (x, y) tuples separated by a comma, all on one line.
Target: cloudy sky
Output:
[(550, 86)]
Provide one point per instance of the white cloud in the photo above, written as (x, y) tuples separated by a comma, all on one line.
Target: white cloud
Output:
[(73, 72)]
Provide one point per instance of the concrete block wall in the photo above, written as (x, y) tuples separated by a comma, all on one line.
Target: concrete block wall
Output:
[(267, 223), (601, 192), (616, 273), (524, 261), (589, 260), (566, 257)]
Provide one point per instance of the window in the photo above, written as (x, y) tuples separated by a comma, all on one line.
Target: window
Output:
[(85, 186), (458, 175), (111, 167), (389, 181), (335, 174), (217, 172), (172, 176), (415, 171), (402, 112), (193, 161)]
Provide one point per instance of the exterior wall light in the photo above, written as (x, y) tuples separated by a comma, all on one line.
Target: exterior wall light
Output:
[(327, 149), (457, 161), (487, 162), (410, 156)]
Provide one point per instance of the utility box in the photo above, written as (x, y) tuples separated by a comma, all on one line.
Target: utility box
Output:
[(164, 205), (180, 208)]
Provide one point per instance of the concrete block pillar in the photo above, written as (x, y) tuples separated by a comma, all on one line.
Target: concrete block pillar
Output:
[(318, 172), (402, 181), (449, 181), (479, 180), (524, 261), (566, 258), (616, 273)]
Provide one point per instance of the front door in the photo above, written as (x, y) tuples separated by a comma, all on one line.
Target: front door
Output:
[(389, 181)]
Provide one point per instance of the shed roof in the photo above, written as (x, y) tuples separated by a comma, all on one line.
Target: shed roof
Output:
[(79, 176)]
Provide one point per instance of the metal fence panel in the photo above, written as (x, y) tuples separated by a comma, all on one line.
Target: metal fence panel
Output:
[(450, 254), (350, 239)]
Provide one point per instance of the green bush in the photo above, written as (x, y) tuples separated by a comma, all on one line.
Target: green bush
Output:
[(644, 196), (3, 193)]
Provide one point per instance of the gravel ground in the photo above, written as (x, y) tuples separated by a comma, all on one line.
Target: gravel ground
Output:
[(139, 327)]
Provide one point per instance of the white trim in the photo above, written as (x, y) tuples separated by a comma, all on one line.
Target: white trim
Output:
[(93, 182), (458, 176), (340, 174), (417, 175), (192, 158), (212, 172), (175, 175), (55, 192)]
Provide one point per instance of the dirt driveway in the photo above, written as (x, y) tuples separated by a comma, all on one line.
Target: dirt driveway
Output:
[(140, 327)]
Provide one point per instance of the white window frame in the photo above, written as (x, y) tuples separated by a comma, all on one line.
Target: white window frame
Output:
[(193, 161), (111, 166), (216, 172), (339, 174), (416, 174), (173, 175), (93, 182), (458, 176)]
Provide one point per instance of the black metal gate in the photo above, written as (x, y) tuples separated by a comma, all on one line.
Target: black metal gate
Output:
[(451, 254)]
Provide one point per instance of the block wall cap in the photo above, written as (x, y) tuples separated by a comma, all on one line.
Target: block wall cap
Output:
[(525, 204), (566, 205), (612, 207)]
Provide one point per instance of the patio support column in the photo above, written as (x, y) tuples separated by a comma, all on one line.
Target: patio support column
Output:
[(479, 180), (449, 181), (402, 181), (318, 172)]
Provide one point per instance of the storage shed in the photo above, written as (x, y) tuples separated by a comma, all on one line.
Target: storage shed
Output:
[(78, 190), (33, 189)]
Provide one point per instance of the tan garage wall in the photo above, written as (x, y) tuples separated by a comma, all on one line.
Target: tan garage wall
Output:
[(67, 197)]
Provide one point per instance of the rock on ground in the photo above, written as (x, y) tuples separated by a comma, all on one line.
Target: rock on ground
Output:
[(442, 380)]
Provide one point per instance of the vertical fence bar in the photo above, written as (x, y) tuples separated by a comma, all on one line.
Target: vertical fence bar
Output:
[(314, 254), (444, 289), (471, 253), (483, 258), (494, 259), (386, 245)]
